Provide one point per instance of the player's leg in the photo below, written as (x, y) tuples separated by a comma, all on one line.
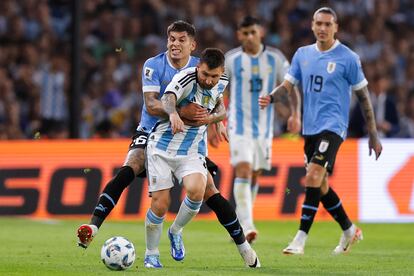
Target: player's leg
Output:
[(159, 182), (133, 165), (160, 201), (194, 184), (332, 203), (227, 217)]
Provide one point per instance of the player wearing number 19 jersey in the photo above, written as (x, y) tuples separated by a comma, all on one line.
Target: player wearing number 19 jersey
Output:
[(328, 72)]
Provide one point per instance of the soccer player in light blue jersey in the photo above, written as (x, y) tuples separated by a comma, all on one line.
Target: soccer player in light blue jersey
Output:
[(254, 70), (328, 72)]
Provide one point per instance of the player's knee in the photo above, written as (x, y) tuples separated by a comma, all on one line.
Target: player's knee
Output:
[(244, 170), (210, 190), (313, 178), (195, 194)]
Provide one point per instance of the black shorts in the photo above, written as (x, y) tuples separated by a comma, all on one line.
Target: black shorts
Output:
[(139, 140), (211, 167), (322, 148)]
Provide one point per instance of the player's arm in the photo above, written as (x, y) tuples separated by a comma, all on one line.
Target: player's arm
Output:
[(169, 102), (154, 105), (287, 95), (365, 101)]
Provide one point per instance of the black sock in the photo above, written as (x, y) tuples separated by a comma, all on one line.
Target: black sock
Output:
[(309, 208), (333, 205), (111, 194), (227, 217)]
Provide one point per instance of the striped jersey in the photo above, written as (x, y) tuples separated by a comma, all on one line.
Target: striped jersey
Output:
[(193, 139), (252, 77), (157, 73), (327, 79)]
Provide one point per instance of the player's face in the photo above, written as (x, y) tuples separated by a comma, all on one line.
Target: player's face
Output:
[(324, 27), (180, 45), (250, 38), (208, 78)]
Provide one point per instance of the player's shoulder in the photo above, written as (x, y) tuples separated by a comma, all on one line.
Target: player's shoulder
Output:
[(186, 76), (347, 52), (274, 51), (155, 60), (224, 78), (233, 52)]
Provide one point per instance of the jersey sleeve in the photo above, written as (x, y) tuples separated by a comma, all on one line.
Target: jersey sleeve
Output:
[(294, 74), (150, 77), (356, 77), (175, 87)]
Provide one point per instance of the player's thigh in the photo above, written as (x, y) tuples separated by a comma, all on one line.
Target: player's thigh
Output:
[(136, 154), (192, 169), (325, 148), (159, 170), (262, 154), (241, 150)]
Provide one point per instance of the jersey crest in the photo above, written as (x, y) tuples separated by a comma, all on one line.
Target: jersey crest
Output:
[(331, 67)]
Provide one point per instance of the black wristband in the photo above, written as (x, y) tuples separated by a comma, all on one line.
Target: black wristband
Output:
[(272, 99)]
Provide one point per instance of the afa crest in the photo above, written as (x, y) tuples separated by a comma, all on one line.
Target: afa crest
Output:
[(331, 67)]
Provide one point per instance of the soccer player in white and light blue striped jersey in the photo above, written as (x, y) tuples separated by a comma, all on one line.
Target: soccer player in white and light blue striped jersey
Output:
[(328, 72), (176, 150), (254, 69)]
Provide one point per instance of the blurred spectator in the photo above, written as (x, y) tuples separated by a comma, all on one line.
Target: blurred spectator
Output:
[(118, 35), (385, 111)]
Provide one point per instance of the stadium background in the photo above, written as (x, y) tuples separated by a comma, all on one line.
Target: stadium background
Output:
[(43, 175)]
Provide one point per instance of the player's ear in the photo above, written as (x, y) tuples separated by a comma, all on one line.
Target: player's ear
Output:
[(193, 45), (239, 35)]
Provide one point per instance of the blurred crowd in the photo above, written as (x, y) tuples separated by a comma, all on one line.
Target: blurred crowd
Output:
[(117, 36)]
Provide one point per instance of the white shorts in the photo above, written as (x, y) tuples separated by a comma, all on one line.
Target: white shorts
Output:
[(257, 152), (163, 167)]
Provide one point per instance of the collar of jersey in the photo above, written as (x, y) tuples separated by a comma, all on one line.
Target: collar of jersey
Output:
[(262, 48), (172, 66), (336, 43)]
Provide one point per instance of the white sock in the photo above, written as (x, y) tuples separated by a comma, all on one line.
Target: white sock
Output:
[(301, 237), (254, 189), (243, 198), (243, 247), (188, 210), (153, 230), (350, 231)]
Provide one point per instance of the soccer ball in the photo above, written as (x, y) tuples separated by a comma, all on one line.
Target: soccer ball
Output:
[(118, 253)]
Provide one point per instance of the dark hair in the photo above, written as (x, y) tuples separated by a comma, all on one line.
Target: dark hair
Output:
[(181, 26), (213, 57), (328, 11), (248, 21)]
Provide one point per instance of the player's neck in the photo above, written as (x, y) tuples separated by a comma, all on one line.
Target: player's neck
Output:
[(178, 63), (324, 46), (255, 51)]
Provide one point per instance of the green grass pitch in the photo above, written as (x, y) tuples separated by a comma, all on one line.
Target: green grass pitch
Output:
[(31, 247)]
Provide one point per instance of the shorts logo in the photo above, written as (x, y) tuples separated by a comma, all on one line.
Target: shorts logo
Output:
[(331, 67), (148, 73), (153, 180), (323, 146)]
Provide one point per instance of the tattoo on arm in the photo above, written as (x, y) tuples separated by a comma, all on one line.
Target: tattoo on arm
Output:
[(153, 104), (365, 101), (281, 95), (169, 101), (219, 112)]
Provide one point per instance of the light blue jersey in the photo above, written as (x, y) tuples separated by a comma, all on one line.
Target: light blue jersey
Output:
[(156, 75), (193, 139), (327, 79)]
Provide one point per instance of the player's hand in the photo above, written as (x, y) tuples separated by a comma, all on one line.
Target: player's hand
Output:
[(294, 124), (221, 132), (177, 125), (264, 101), (374, 144), (193, 112)]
